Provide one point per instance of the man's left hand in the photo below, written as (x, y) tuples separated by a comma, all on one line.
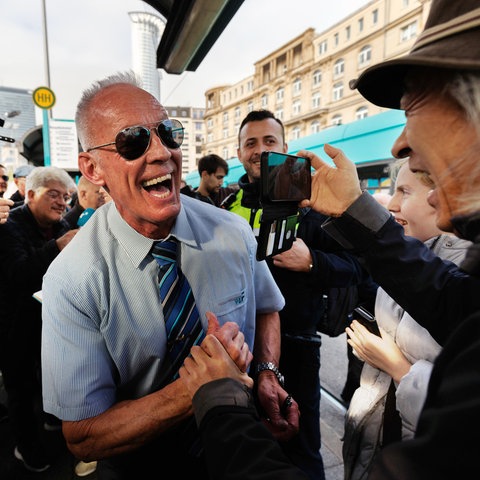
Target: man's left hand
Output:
[(282, 415), (297, 259)]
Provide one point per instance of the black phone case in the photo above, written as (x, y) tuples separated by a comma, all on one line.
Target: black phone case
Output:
[(276, 235), (367, 320)]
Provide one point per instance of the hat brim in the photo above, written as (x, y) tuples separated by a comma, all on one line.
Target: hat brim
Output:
[(383, 84)]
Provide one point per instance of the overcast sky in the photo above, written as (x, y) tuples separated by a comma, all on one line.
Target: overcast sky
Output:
[(90, 39)]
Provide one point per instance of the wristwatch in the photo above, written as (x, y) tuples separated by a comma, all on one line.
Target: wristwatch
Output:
[(273, 368)]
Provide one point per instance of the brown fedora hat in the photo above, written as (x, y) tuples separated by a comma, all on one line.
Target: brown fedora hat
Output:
[(450, 40)]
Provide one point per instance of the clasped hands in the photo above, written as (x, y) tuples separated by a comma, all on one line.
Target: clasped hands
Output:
[(224, 353)]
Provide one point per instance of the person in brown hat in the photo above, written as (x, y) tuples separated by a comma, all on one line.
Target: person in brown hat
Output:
[(438, 86)]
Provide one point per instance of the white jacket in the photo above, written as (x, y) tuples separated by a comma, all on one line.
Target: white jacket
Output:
[(364, 418)]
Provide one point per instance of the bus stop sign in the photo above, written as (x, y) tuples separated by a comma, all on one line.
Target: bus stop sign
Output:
[(43, 97)]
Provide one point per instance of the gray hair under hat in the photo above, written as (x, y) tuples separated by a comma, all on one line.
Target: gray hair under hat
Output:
[(22, 171), (450, 40)]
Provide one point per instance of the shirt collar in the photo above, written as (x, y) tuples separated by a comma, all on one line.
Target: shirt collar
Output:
[(137, 246)]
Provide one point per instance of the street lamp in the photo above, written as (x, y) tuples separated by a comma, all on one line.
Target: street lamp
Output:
[(11, 114)]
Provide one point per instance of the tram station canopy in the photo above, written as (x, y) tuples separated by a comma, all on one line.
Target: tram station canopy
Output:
[(192, 27)]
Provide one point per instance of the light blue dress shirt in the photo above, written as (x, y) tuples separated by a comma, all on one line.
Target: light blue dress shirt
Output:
[(103, 337)]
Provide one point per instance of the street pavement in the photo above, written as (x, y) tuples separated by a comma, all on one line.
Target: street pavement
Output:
[(332, 375)]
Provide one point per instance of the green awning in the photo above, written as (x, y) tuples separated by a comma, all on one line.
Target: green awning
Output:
[(367, 141)]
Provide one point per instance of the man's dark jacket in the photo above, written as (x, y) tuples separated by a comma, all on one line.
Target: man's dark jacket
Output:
[(25, 254)]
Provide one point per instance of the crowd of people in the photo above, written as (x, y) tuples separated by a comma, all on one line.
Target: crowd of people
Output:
[(161, 337)]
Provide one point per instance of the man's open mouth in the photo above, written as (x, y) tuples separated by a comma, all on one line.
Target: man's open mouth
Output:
[(159, 186)]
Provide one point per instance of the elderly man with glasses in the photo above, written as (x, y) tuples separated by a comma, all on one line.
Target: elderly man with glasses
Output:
[(33, 235)]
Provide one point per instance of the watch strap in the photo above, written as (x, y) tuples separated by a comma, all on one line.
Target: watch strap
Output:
[(261, 367)]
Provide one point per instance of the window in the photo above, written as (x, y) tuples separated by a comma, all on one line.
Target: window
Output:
[(297, 55), (249, 106), (375, 17), (210, 123), (338, 91), (408, 32), (225, 117), (335, 39), (295, 133), (279, 113), (225, 133), (362, 112), (337, 120), (210, 138), (315, 127), (297, 86), (316, 100), (225, 152), (296, 107), (237, 112), (279, 94), (348, 32), (338, 68), (360, 24), (317, 77), (322, 47), (364, 56), (264, 100)]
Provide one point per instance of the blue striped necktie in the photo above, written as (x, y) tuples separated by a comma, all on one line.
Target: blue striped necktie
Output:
[(182, 320)]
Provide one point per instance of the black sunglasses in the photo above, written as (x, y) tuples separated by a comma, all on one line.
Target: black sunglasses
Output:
[(132, 142), (5, 178)]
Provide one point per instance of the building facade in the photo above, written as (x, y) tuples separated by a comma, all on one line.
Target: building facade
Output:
[(192, 120), (305, 82), (147, 30)]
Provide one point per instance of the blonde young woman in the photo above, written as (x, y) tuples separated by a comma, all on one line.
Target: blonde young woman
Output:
[(405, 352)]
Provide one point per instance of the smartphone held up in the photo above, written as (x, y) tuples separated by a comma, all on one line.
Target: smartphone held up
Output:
[(285, 178), (285, 181)]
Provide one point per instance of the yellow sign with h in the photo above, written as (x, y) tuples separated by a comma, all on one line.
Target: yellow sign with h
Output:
[(43, 97)]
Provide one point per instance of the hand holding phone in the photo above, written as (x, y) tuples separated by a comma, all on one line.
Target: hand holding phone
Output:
[(367, 320)]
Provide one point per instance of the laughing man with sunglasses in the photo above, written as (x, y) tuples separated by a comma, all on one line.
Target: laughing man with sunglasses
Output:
[(104, 338)]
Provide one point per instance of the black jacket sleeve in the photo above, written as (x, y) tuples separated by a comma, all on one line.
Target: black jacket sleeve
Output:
[(445, 444), (236, 444), (426, 286)]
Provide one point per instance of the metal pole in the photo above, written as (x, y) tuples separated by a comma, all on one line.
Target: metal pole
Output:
[(47, 114), (45, 45)]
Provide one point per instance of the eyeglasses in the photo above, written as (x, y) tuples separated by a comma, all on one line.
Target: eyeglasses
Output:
[(56, 195), (5, 178), (132, 142)]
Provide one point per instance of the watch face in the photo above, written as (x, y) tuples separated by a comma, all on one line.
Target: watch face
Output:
[(273, 368)]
